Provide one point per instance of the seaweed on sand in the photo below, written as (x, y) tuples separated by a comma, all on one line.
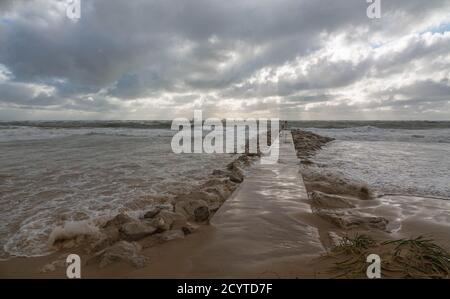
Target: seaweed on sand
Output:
[(418, 257)]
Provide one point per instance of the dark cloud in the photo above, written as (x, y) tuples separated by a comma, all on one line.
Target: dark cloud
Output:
[(180, 51), (422, 91)]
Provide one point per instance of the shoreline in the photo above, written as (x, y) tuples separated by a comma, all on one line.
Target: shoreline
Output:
[(164, 220), (335, 208), (354, 210)]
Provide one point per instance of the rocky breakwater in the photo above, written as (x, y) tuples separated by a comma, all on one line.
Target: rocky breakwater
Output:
[(122, 238), (345, 203), (307, 143)]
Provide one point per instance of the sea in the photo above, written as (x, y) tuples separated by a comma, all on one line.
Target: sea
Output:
[(57, 172)]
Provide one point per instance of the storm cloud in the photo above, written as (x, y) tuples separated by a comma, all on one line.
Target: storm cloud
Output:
[(302, 59)]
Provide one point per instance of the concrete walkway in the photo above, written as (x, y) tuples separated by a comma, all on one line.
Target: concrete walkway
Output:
[(265, 229), (264, 221)]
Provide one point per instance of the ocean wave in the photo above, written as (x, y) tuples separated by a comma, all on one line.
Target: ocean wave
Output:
[(132, 124), (84, 178), (20, 133), (406, 125), (408, 168), (371, 133)]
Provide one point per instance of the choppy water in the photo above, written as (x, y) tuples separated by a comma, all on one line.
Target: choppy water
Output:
[(56, 174), (391, 159), (52, 172)]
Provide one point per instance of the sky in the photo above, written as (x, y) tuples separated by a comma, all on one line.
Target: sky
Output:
[(293, 59)]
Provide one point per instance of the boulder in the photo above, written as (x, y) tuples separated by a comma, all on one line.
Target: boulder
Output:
[(220, 172), (236, 177), (106, 238), (189, 228), (221, 187), (118, 221), (329, 201), (197, 210), (160, 224), (121, 251), (214, 207), (165, 206), (152, 212), (244, 159), (136, 230), (201, 213), (353, 219), (166, 220), (198, 195)]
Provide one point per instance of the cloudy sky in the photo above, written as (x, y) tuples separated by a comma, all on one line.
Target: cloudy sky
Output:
[(296, 59)]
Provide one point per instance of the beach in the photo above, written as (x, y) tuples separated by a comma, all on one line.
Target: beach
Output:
[(242, 219)]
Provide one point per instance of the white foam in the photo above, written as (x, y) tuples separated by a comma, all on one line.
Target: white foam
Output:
[(406, 168), (72, 229), (369, 133), (49, 182)]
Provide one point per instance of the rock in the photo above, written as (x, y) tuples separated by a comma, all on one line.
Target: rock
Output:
[(352, 219), (167, 220), (306, 162), (328, 201), (219, 172), (193, 209), (108, 237), (198, 195), (136, 230), (306, 143), (177, 220), (244, 159), (236, 174), (214, 207), (120, 251), (235, 178), (213, 182), (201, 214), (118, 221), (172, 235), (189, 229), (222, 188), (233, 165), (160, 224), (68, 244), (152, 213), (165, 206)]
